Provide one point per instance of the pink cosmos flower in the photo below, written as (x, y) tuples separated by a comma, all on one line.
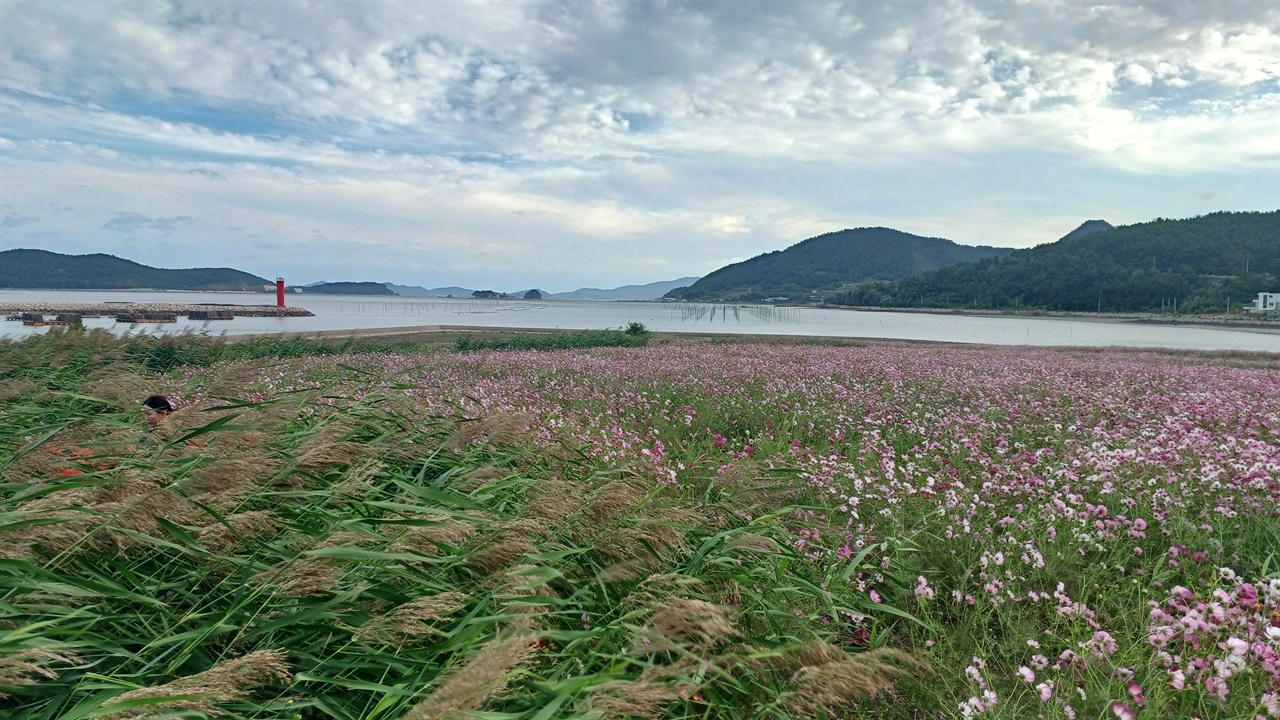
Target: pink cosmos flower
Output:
[(1136, 691), (923, 591), (1122, 711)]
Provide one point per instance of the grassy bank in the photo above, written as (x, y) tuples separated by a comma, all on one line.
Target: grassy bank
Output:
[(718, 530)]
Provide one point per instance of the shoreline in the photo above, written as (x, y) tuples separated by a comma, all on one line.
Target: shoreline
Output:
[(468, 329), (119, 308), (1144, 318), (669, 335)]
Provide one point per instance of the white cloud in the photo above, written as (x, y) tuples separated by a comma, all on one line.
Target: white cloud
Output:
[(501, 139)]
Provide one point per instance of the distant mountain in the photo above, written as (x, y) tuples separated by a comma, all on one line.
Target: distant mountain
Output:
[(650, 291), (419, 291), (348, 288), (830, 262), (1205, 264), (40, 269)]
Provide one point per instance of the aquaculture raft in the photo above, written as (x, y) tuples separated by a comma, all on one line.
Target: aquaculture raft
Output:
[(147, 317), (210, 315)]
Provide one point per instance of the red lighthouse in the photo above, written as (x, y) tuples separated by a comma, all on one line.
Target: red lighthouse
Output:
[(279, 292)]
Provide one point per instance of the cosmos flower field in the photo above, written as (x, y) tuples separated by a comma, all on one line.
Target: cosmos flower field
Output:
[(684, 530)]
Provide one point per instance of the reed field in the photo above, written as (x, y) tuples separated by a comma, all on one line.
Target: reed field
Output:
[(538, 530)]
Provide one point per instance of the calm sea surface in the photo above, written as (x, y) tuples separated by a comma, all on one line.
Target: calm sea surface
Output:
[(342, 312)]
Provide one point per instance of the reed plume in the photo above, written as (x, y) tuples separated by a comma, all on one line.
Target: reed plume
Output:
[(506, 430), (411, 620), (233, 378), (302, 577), (500, 551), (25, 666), (832, 687), (697, 624), (748, 486), (241, 526), (51, 456), (626, 570), (554, 501), (443, 530), (11, 389), (346, 537), (747, 542), (615, 500), (329, 456), (656, 590), (356, 484), (501, 430), (628, 699), (228, 476), (120, 385), (480, 477), (97, 518), (228, 681), (483, 676)]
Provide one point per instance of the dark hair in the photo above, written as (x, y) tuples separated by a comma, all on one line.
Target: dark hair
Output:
[(159, 403)]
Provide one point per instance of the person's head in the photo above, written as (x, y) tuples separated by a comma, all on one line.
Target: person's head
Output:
[(154, 410)]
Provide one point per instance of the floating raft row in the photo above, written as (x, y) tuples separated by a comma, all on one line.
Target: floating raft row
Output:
[(210, 315), (147, 317), (146, 312), (39, 320)]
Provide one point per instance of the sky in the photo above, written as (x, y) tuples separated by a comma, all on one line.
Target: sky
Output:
[(560, 144)]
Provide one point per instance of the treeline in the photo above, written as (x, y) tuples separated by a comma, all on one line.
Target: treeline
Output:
[(1203, 264)]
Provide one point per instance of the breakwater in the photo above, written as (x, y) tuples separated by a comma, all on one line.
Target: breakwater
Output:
[(115, 308)]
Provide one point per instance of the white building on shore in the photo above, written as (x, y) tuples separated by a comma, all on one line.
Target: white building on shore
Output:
[(1265, 303)]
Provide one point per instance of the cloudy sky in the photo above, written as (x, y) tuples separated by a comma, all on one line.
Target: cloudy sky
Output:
[(560, 144)]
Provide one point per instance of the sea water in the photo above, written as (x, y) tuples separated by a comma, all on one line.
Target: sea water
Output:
[(348, 312)]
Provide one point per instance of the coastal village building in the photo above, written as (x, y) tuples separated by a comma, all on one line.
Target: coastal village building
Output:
[(1265, 303)]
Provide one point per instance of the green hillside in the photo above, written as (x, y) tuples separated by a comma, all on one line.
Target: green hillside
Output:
[(1206, 264), (43, 270), (830, 262)]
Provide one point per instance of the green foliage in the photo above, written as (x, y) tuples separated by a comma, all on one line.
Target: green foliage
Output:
[(42, 269), (356, 561), (556, 341), (831, 261), (1207, 264), (69, 354)]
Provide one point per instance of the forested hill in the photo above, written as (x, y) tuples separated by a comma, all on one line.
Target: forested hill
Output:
[(831, 261), (1204, 263), (349, 288), (43, 270)]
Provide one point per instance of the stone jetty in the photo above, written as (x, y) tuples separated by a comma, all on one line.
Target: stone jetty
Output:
[(113, 309)]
